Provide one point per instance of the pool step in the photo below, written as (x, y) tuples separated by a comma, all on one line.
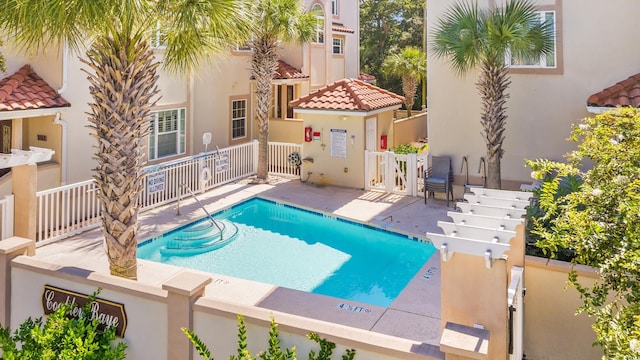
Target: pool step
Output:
[(200, 238)]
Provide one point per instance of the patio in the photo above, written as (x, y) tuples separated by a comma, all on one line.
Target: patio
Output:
[(414, 316)]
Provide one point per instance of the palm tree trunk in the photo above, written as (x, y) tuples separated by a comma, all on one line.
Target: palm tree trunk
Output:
[(123, 85), (264, 64), (409, 88), (493, 84)]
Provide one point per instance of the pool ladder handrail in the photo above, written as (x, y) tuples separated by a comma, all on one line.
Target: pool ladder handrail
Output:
[(185, 186)]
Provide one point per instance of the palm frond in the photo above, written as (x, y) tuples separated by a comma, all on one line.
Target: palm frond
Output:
[(198, 32), (459, 36)]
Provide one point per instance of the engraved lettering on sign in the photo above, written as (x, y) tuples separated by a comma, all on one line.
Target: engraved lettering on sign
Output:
[(107, 312)]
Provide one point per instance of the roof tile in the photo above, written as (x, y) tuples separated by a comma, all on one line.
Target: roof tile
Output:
[(26, 90), (341, 28), (286, 71), (350, 95), (623, 93)]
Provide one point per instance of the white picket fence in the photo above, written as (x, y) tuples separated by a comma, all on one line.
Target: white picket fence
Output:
[(70, 209), (395, 173), (6, 217)]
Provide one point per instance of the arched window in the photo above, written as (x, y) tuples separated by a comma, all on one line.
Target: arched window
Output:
[(319, 13)]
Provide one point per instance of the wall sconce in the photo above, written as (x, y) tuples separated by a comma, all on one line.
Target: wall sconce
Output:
[(343, 117), (353, 138)]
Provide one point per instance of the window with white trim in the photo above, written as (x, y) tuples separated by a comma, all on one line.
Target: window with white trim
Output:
[(319, 33), (168, 133), (334, 7), (238, 119), (158, 38), (545, 61), (338, 46)]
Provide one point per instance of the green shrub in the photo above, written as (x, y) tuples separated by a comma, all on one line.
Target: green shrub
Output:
[(409, 149), (274, 352), (539, 222), (61, 337)]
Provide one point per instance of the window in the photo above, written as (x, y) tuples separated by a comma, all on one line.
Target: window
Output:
[(276, 100), (548, 61), (338, 46), (279, 91), (319, 33), (158, 38), (238, 119), (167, 135), (334, 7), (290, 94)]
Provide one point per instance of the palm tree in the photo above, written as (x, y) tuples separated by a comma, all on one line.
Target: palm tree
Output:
[(122, 81), (472, 38), (411, 66), (275, 21)]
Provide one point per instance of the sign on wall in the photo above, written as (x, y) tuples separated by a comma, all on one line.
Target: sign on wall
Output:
[(339, 143), (155, 182), (222, 162), (108, 313)]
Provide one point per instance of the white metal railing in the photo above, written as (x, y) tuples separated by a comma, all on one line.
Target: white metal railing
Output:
[(74, 208), (66, 210), (395, 173), (279, 163), (6, 216)]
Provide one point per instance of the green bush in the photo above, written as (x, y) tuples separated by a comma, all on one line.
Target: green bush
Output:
[(409, 149), (540, 221), (61, 337), (274, 352)]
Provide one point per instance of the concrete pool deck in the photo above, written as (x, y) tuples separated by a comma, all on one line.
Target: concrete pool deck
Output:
[(414, 315)]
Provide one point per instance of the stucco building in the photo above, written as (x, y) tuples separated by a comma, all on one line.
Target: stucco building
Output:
[(44, 98), (546, 97)]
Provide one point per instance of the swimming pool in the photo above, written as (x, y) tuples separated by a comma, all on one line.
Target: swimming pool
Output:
[(304, 250)]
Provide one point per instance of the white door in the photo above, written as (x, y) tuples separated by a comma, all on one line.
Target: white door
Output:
[(370, 133)]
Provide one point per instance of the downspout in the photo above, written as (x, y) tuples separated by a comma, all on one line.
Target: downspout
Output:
[(63, 148), (65, 66), (58, 120)]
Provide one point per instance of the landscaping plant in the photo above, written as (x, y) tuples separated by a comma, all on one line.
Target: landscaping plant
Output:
[(61, 337), (600, 222), (274, 351)]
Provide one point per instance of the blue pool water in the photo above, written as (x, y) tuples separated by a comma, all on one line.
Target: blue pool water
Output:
[(304, 250)]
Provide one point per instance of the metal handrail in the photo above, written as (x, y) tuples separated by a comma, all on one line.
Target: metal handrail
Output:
[(201, 206)]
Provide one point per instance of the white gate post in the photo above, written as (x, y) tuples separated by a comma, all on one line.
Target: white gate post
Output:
[(367, 167), (412, 176), (389, 172)]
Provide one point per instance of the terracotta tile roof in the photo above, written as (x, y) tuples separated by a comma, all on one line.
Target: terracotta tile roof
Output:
[(349, 95), (624, 93), (25, 90), (286, 71), (341, 28)]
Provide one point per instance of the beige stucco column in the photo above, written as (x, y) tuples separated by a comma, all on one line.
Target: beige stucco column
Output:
[(24, 180), (9, 249), (184, 289), (475, 303)]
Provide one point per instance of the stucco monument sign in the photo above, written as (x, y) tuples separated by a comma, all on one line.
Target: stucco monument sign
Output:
[(108, 313)]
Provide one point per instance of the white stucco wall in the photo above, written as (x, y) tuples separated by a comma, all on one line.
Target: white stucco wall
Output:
[(146, 330)]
